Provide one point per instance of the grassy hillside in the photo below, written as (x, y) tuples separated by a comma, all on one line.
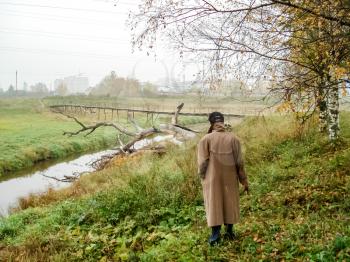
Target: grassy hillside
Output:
[(150, 208), (30, 133)]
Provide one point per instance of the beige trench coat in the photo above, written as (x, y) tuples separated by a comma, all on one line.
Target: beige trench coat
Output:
[(221, 167)]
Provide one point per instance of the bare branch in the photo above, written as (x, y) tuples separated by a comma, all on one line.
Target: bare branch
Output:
[(66, 179), (129, 147), (92, 128), (249, 8)]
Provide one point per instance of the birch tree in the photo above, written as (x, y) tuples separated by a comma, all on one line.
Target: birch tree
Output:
[(300, 44), (324, 46)]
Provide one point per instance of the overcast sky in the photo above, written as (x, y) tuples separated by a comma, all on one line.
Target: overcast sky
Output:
[(46, 39)]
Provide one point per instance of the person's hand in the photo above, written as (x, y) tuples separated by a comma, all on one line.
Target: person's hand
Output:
[(245, 186)]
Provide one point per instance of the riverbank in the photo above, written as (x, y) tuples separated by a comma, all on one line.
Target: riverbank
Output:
[(29, 133), (150, 208), (16, 189)]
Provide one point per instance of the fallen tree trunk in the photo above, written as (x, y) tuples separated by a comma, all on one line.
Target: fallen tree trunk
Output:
[(177, 135)]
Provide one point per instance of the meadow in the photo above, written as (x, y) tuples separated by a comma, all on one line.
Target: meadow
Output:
[(150, 208), (30, 133)]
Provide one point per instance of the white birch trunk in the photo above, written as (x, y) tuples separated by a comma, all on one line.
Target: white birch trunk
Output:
[(323, 110), (333, 112)]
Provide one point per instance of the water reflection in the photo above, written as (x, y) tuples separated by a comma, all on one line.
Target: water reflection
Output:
[(26, 182), (19, 185)]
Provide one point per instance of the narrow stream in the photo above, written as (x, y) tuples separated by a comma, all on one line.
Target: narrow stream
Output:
[(22, 184), (12, 188)]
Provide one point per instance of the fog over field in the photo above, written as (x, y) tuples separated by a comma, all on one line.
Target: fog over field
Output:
[(46, 40)]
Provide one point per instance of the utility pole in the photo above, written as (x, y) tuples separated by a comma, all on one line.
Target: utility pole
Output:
[(16, 80)]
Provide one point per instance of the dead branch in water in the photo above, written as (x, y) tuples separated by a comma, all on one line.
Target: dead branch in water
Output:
[(100, 164), (67, 179)]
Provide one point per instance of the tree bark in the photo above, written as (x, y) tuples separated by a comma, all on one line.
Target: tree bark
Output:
[(333, 111), (322, 109)]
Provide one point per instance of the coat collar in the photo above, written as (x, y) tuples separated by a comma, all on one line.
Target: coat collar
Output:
[(219, 127)]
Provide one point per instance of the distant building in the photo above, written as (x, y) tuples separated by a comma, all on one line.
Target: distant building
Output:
[(75, 84), (173, 86)]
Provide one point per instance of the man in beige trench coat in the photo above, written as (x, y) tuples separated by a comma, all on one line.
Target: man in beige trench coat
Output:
[(221, 168)]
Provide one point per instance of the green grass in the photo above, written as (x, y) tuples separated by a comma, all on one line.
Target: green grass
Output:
[(30, 133), (152, 209)]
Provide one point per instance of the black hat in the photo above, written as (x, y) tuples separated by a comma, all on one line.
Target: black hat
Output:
[(216, 117)]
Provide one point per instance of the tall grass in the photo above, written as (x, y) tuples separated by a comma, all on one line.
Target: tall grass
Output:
[(151, 209)]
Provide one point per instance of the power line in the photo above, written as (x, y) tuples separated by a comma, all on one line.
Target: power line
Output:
[(63, 36), (70, 53), (55, 33), (46, 17), (59, 7), (46, 74), (70, 38), (119, 3)]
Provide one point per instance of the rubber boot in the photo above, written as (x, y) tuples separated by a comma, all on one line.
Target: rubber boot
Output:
[(229, 234), (215, 235)]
